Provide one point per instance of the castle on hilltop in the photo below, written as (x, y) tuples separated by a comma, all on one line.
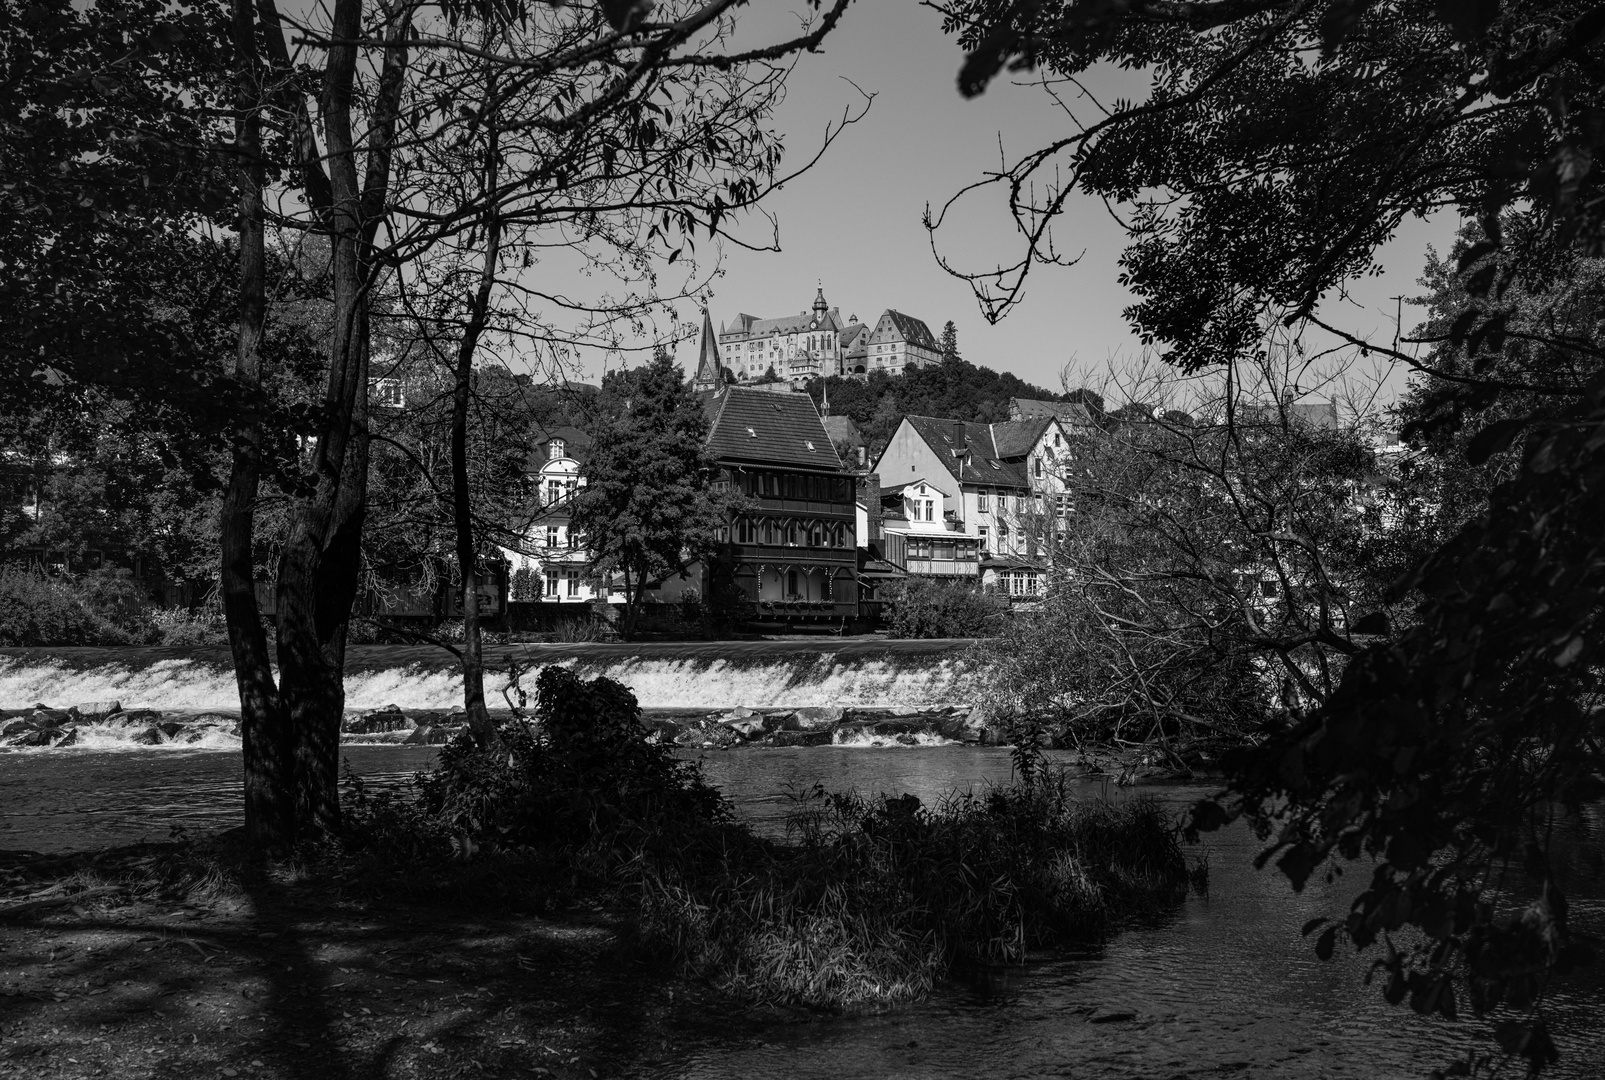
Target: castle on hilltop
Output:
[(817, 342)]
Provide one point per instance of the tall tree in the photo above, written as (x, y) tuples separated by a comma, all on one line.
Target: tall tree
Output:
[(649, 508), (389, 67), (950, 343)]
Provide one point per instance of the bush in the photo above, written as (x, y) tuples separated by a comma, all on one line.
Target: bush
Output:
[(582, 782), (37, 609), (925, 608)]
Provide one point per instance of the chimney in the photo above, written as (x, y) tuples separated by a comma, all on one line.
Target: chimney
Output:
[(870, 486)]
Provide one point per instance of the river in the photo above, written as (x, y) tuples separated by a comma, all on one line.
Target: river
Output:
[(1221, 986)]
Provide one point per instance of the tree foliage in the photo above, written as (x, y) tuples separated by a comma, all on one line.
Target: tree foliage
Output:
[(960, 390), (1311, 131), (649, 507)]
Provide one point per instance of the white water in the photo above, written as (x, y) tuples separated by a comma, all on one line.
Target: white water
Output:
[(789, 682)]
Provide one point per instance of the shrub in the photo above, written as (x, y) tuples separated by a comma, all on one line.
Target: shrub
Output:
[(584, 778), (37, 609), (925, 608)]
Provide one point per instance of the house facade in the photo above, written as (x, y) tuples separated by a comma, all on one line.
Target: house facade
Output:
[(977, 502), (553, 566), (793, 554)]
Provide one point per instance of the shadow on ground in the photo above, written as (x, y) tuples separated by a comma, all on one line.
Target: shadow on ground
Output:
[(279, 982)]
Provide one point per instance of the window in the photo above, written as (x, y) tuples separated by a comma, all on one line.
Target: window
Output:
[(551, 583), (387, 392), (985, 540), (791, 583), (554, 449), (1036, 465), (980, 500), (573, 538), (573, 583), (554, 490), (1003, 530), (942, 549), (791, 533), (930, 509), (1056, 441), (1061, 503), (551, 536)]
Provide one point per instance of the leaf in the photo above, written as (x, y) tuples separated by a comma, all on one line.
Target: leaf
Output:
[(1495, 438)]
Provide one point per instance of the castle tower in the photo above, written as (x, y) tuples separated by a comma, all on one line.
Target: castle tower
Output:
[(820, 307)]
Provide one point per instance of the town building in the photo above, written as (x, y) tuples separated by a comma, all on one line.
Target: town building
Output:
[(896, 342), (553, 566), (977, 502), (792, 556)]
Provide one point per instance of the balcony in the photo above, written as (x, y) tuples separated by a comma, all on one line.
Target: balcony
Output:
[(802, 610)]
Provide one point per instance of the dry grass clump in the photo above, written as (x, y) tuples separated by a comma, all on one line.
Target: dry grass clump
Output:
[(877, 898)]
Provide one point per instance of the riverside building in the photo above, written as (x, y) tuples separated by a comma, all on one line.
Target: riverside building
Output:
[(977, 502)]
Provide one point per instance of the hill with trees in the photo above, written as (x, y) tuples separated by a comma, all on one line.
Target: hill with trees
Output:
[(956, 389)]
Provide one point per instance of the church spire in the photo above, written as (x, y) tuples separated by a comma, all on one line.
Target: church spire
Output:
[(710, 373)]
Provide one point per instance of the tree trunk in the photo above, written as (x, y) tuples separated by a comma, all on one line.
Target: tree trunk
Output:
[(262, 726), (462, 511), (322, 557)]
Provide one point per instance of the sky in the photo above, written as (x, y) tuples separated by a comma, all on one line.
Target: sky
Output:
[(853, 222)]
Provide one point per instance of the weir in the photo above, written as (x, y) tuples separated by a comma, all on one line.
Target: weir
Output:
[(856, 674)]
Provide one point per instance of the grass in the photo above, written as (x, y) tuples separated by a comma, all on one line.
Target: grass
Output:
[(877, 899)]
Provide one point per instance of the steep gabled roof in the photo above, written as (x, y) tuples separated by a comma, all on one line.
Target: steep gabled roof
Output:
[(754, 427), (841, 429), (986, 454), (911, 329)]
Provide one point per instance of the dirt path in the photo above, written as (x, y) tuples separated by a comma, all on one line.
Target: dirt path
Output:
[(274, 986)]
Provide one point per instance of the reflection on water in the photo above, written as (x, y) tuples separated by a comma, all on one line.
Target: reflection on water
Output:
[(1222, 987)]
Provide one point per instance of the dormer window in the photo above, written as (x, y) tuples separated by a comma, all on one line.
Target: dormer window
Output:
[(554, 449)]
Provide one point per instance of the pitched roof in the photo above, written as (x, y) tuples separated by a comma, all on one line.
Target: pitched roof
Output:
[(855, 338), (1071, 412), (911, 329), (769, 429), (752, 326), (576, 444), (842, 429), (988, 454)]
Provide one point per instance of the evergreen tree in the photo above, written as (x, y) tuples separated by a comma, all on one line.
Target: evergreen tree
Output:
[(950, 343)]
